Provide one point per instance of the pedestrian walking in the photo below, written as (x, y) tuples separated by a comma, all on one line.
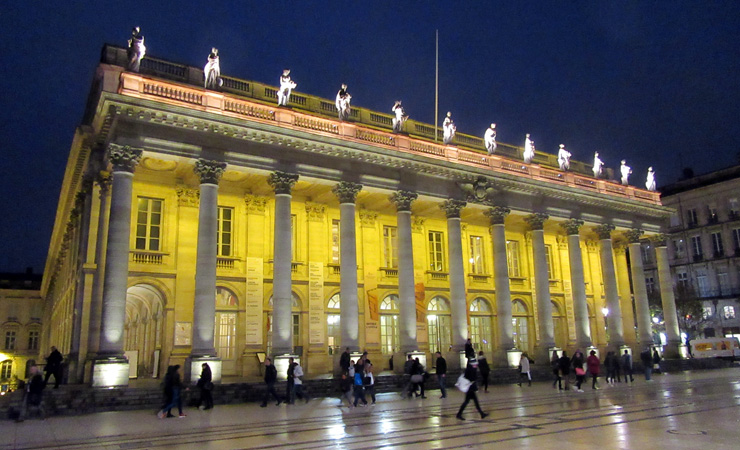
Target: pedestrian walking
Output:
[(369, 382), (469, 350), (54, 367), (417, 377), (290, 382), (627, 366), (647, 363), (345, 389), (441, 367), (471, 375), (172, 391), (564, 365), (270, 380), (594, 366), (205, 385), (33, 395), (358, 390), (524, 369), (298, 383), (485, 370), (656, 361), (410, 388), (609, 366), (555, 366), (344, 361), (577, 363)]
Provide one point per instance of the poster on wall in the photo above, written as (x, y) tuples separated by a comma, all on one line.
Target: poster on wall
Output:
[(421, 307), (183, 333), (254, 301), (569, 312), (316, 321), (372, 314)]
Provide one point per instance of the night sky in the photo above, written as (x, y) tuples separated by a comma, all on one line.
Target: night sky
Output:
[(656, 83)]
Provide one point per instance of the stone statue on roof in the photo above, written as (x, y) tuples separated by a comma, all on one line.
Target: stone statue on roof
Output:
[(448, 129), (401, 116), (650, 181), (528, 149), (136, 50), (286, 86), (489, 138), (343, 103), (212, 70), (563, 158), (598, 167), (625, 171)]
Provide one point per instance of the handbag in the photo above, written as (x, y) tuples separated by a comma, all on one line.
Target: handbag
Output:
[(417, 378), (463, 384), (580, 371)]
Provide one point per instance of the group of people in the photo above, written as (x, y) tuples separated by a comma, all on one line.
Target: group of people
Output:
[(615, 365), (294, 386), (357, 379), (33, 388)]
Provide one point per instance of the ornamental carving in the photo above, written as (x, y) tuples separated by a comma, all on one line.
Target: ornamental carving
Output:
[(536, 221), (403, 200), (315, 211), (209, 171), (452, 208), (124, 158), (417, 224), (346, 191), (659, 240), (633, 235), (187, 196), (572, 226), (104, 181), (282, 182), (592, 246), (498, 214), (368, 218), (480, 190), (604, 231), (255, 204)]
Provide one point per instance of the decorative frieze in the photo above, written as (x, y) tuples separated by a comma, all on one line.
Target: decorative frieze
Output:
[(481, 190), (315, 211), (367, 217), (452, 208), (498, 214), (346, 191), (604, 231), (124, 158), (572, 226), (536, 221), (282, 182), (209, 171), (633, 235), (255, 204), (187, 196), (403, 200), (417, 224)]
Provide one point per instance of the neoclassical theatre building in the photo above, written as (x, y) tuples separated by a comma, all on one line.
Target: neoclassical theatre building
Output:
[(212, 225)]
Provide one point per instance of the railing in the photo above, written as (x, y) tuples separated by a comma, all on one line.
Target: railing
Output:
[(173, 93), (246, 109), (335, 269), (479, 278), (224, 262), (376, 138), (437, 276), (139, 257), (389, 272), (316, 124), (163, 68)]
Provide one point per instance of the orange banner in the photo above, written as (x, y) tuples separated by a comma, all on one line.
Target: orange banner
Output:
[(372, 304), (421, 307)]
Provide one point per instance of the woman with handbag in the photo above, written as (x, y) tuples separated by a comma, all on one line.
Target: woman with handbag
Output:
[(524, 369), (577, 363), (205, 384), (467, 383)]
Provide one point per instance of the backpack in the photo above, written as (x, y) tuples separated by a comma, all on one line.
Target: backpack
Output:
[(358, 379)]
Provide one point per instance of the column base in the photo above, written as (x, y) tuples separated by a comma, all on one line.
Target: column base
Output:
[(281, 364), (400, 358), (193, 368), (675, 350), (456, 360), (110, 372), (542, 354), (353, 356)]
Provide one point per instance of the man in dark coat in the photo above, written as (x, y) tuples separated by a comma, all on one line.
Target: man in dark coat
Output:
[(270, 379), (205, 384), (54, 367), (344, 361), (442, 374)]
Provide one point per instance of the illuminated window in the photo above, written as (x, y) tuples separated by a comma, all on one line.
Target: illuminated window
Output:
[(33, 340), (333, 320), (390, 247), (679, 248), (10, 337), (436, 251), (389, 335), (296, 321), (6, 369), (706, 312), (335, 248), (519, 321), (728, 312), (226, 321), (480, 324), (647, 257), (225, 231), (548, 258), (512, 258), (438, 321), (149, 224), (477, 265)]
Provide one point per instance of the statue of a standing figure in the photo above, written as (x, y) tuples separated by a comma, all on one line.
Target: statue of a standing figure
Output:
[(490, 139), (563, 158), (598, 166), (448, 129), (212, 70), (626, 171), (342, 102), (401, 116), (650, 182), (528, 149), (136, 50), (286, 86)]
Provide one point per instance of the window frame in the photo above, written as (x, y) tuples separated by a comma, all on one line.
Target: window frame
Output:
[(436, 251), (220, 233), (148, 224)]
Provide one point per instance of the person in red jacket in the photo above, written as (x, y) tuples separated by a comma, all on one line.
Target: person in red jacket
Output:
[(593, 363)]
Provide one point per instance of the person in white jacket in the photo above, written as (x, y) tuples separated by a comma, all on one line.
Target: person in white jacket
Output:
[(524, 369), (298, 383)]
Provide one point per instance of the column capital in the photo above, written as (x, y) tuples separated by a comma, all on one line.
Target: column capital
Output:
[(497, 214), (659, 240), (604, 231), (282, 182), (633, 235), (403, 200), (536, 221), (124, 158), (209, 171), (346, 191), (572, 226), (452, 207), (104, 181)]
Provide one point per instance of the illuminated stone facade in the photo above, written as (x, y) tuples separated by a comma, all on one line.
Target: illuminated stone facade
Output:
[(21, 312)]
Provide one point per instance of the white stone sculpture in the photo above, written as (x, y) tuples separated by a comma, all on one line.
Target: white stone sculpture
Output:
[(563, 158), (598, 167), (136, 50), (528, 149), (286, 86), (626, 171), (650, 182), (212, 70), (448, 129), (342, 102), (401, 116), (490, 139)]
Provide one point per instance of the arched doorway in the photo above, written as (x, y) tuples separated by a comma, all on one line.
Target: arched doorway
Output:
[(520, 325), (296, 321), (438, 322), (143, 329), (333, 319), (224, 333), (481, 319), (389, 340), (560, 326)]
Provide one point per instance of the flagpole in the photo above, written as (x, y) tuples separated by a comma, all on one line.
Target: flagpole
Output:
[(436, 86)]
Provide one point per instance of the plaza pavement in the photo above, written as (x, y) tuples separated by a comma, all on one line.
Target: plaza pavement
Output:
[(683, 410)]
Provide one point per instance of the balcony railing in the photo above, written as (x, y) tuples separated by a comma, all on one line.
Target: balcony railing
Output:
[(390, 272), (225, 262), (142, 257), (437, 276), (718, 293)]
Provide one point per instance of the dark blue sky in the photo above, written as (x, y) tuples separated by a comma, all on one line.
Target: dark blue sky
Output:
[(656, 83)]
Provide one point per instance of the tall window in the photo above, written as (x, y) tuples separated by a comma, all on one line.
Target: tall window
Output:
[(335, 249), (560, 328), (736, 238), (702, 283), (548, 258), (512, 258), (480, 324), (149, 224), (224, 332), (333, 329), (10, 340), (650, 284), (390, 247), (436, 251), (389, 324), (723, 281), (225, 230), (6, 369), (679, 248), (696, 246), (33, 340), (712, 212), (706, 312), (477, 265), (691, 217), (719, 248), (734, 208), (519, 321), (646, 254), (683, 280), (294, 236), (438, 320), (728, 312), (296, 307)]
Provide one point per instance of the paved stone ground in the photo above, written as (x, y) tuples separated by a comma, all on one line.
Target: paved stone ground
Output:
[(685, 410)]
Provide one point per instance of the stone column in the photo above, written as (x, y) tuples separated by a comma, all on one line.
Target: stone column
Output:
[(407, 300), (644, 323), (578, 282), (670, 315), (111, 368), (498, 214), (349, 308), (458, 302), (204, 305), (104, 182), (625, 294), (282, 322), (614, 317), (542, 282)]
